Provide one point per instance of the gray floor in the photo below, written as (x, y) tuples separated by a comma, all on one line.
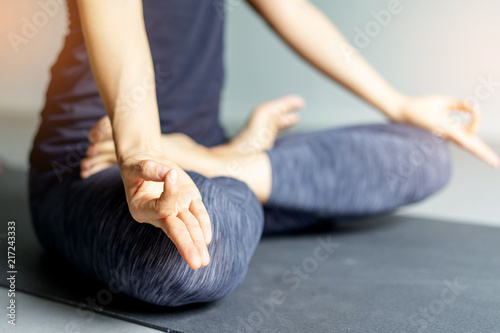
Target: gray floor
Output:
[(472, 196)]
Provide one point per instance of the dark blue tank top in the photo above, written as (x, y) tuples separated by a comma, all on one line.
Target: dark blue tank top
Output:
[(186, 40)]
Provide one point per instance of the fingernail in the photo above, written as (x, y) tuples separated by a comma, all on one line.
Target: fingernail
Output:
[(196, 263), (173, 176), (206, 258)]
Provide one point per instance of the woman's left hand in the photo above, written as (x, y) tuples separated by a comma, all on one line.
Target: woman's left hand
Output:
[(434, 113)]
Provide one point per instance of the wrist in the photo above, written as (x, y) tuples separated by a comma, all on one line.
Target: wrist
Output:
[(138, 150), (136, 143), (136, 135), (393, 107)]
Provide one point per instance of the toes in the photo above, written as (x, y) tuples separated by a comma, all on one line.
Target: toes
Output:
[(288, 120), (101, 131), (267, 120), (99, 148), (286, 114), (288, 103), (89, 163), (293, 102), (279, 107), (85, 173), (100, 155)]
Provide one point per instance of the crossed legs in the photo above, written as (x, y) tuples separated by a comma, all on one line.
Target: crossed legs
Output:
[(301, 180)]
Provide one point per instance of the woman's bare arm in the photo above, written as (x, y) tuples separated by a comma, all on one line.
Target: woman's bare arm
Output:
[(120, 56), (158, 191), (313, 36)]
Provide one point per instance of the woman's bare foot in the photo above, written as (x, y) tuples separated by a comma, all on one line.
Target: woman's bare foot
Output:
[(266, 122), (253, 168), (243, 158), (264, 125), (178, 147)]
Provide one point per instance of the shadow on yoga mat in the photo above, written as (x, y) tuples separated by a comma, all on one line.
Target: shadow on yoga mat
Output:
[(391, 274)]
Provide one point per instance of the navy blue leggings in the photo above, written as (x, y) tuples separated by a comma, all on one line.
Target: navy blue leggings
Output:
[(317, 177)]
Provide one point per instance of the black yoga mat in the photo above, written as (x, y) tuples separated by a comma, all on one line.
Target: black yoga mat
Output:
[(390, 274)]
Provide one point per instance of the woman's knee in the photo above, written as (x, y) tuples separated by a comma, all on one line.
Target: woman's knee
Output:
[(413, 162), (237, 223), (426, 164), (437, 170), (141, 261)]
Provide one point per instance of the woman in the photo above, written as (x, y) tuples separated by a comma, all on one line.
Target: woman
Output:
[(104, 160)]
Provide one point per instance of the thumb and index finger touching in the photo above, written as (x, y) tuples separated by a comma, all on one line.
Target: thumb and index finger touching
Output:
[(465, 136), (165, 204)]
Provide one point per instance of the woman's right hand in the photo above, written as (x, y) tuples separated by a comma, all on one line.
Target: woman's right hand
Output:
[(160, 193), (120, 57)]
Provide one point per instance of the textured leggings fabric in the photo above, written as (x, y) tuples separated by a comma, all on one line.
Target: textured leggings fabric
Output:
[(316, 176), (352, 171)]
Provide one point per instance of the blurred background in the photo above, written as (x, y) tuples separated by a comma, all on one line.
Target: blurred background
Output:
[(446, 47)]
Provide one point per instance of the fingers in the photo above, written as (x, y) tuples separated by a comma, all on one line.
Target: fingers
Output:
[(474, 113), (178, 233), (475, 145), (193, 234), (168, 210), (199, 211), (466, 138), (184, 231), (166, 204), (196, 234), (183, 228), (150, 170)]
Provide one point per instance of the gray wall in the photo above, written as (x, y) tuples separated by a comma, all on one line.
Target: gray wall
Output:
[(24, 70), (431, 46)]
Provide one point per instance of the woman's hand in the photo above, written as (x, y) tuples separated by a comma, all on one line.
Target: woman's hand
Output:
[(434, 114), (162, 194)]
